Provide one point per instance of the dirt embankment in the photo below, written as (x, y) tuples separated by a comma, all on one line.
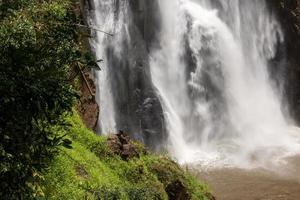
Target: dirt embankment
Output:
[(87, 105)]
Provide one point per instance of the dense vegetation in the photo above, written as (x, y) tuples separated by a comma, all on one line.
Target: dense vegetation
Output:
[(89, 170), (45, 150), (38, 43)]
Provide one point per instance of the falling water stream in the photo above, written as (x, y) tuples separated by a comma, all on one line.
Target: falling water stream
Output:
[(224, 109), (207, 83), (211, 74), (108, 18)]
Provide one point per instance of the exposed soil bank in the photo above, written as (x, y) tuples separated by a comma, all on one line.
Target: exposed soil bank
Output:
[(282, 183)]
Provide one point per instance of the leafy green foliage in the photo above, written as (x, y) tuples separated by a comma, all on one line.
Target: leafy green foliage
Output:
[(91, 171), (42, 155), (38, 47)]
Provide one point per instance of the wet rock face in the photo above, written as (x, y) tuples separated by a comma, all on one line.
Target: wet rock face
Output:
[(177, 191), (288, 12), (87, 106), (138, 109)]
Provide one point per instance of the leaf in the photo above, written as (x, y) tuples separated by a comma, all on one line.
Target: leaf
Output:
[(67, 143)]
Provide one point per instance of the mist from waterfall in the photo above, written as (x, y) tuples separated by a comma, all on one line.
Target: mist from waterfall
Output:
[(211, 72)]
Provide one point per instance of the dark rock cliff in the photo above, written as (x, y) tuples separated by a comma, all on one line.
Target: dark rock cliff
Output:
[(138, 110), (288, 12)]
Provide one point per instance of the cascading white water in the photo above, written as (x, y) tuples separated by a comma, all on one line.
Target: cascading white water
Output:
[(112, 19), (211, 75), (224, 109)]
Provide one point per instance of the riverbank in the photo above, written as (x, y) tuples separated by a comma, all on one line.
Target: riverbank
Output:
[(280, 183)]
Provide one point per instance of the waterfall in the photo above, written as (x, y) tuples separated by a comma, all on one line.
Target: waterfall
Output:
[(125, 93), (211, 72), (111, 17), (206, 81)]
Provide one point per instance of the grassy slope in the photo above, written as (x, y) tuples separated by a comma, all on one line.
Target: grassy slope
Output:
[(90, 171)]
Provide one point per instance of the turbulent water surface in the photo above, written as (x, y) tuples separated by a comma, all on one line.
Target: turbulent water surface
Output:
[(198, 77)]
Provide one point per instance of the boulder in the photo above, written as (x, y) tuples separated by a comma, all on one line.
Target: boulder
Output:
[(177, 191), (120, 144)]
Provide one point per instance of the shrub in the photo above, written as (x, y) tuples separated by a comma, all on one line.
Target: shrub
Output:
[(38, 48)]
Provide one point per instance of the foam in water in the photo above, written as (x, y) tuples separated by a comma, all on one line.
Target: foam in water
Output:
[(242, 123), (211, 75)]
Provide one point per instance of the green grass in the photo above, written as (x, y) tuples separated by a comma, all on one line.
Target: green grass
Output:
[(91, 171)]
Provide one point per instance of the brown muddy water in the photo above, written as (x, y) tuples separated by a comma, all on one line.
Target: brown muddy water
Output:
[(278, 183)]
